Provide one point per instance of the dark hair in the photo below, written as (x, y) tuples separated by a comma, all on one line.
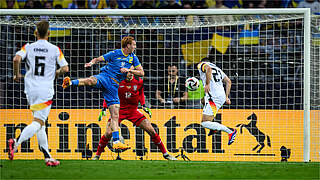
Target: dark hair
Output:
[(126, 40), (42, 28), (205, 59)]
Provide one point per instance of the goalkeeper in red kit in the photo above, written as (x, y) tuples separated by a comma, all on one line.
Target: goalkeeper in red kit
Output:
[(130, 94)]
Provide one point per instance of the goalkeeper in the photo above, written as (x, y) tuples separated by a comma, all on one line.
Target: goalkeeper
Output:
[(130, 94)]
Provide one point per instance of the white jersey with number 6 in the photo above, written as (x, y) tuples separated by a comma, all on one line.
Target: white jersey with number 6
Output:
[(41, 59), (217, 93)]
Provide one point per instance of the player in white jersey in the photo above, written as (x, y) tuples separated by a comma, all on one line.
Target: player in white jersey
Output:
[(41, 59), (215, 96)]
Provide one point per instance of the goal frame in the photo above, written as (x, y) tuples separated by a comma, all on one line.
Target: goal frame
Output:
[(165, 12)]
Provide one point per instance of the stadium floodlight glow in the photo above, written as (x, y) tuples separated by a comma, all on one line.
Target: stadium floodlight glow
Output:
[(269, 54)]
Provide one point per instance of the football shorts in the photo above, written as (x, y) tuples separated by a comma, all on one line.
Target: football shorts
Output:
[(109, 88)]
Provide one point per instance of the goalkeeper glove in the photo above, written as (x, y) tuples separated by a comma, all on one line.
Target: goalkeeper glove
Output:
[(102, 113), (147, 110)]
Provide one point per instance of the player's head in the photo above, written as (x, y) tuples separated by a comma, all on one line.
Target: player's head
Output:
[(205, 60), (42, 30), (128, 43)]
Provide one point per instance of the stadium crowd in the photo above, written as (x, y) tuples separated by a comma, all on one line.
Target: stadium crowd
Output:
[(162, 4)]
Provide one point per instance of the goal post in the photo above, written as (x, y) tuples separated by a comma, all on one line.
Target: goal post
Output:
[(265, 52)]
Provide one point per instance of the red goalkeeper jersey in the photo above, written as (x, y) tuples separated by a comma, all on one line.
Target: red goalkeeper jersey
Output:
[(131, 93)]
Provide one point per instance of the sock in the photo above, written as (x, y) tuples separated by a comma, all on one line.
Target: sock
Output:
[(157, 141), (75, 82), (115, 135), (28, 132), (216, 126), (43, 142), (102, 144)]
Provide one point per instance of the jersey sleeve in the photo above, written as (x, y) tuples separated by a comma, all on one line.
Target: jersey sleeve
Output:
[(141, 93), (60, 58), (108, 57), (23, 51), (201, 66), (136, 62)]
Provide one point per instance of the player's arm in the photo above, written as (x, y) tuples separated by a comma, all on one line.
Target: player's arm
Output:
[(62, 70), (208, 71), (137, 71), (16, 68), (94, 61), (228, 83), (142, 100)]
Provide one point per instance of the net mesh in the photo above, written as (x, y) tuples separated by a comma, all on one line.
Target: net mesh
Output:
[(262, 55)]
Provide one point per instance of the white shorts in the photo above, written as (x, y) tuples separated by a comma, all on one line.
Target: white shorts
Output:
[(40, 105), (211, 107)]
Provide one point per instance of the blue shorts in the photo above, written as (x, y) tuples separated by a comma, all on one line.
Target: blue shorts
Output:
[(109, 88)]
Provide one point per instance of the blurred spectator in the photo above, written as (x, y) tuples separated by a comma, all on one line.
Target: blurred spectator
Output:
[(48, 5), (81, 4), (170, 4), (73, 5), (191, 19), (314, 5), (220, 18), (124, 4), (171, 92), (262, 4), (96, 4), (218, 5), (142, 4), (113, 5), (9, 4), (32, 4), (61, 4)]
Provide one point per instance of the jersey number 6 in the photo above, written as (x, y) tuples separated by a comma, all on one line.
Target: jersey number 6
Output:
[(39, 65)]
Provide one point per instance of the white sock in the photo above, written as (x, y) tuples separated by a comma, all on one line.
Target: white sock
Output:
[(28, 132), (216, 126), (43, 142)]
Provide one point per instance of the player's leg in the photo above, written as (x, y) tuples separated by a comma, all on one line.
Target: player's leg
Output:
[(103, 142), (33, 99), (91, 81), (114, 123), (42, 136), (146, 126), (26, 134), (209, 112)]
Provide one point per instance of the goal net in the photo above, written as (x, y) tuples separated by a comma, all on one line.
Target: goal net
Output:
[(265, 53)]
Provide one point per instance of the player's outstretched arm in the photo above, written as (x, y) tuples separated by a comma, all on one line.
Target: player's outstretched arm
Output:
[(16, 68), (94, 61)]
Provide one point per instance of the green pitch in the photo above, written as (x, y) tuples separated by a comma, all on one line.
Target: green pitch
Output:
[(86, 169)]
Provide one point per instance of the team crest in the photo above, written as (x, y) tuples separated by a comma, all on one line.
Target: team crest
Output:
[(135, 87)]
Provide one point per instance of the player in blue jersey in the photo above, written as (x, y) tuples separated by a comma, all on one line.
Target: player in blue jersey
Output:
[(118, 65)]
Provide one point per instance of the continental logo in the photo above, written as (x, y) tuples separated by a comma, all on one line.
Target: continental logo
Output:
[(71, 132)]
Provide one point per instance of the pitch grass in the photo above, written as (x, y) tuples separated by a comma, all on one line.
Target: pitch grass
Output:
[(86, 169)]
